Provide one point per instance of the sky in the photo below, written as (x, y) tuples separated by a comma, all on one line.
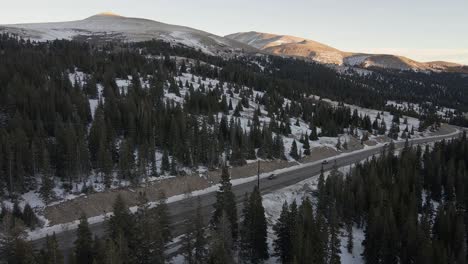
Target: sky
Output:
[(423, 30)]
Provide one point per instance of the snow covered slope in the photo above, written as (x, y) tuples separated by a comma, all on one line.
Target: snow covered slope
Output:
[(291, 46), (310, 49), (109, 27), (316, 51), (263, 40)]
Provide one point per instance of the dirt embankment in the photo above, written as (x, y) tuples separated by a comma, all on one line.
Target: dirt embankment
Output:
[(319, 153), (95, 204), (443, 130)]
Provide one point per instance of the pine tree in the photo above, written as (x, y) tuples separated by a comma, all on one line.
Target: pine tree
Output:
[(294, 152), (309, 244), (173, 167), (258, 226), (13, 248), (83, 243), (322, 196), (396, 119), (126, 161), (120, 228), (375, 124), (112, 253), (230, 108), (278, 147), (187, 241), (350, 237), (165, 165), (47, 183), (254, 248), (17, 213), (23, 253), (162, 212), (51, 254), (383, 127), (334, 247), (313, 134), (237, 110), (99, 251), (223, 105), (284, 233), (245, 249), (97, 133), (200, 243), (225, 204), (174, 88), (306, 146), (149, 241), (320, 235), (222, 242), (105, 163), (183, 68), (29, 217), (91, 88), (394, 130)]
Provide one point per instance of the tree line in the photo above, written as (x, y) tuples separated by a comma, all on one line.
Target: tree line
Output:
[(143, 237), (49, 130), (411, 208)]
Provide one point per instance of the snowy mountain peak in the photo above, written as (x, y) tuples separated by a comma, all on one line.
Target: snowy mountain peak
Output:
[(112, 27)]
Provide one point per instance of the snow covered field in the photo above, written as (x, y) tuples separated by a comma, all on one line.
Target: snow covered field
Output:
[(443, 112), (386, 116)]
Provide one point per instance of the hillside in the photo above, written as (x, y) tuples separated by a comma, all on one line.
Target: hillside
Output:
[(284, 45), (300, 47), (111, 27)]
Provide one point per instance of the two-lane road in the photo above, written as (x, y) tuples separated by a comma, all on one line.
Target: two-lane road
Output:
[(183, 209)]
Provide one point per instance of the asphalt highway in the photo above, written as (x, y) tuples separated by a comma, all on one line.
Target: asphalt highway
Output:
[(183, 209)]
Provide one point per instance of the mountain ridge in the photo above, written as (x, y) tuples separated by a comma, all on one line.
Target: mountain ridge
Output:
[(109, 26), (292, 46)]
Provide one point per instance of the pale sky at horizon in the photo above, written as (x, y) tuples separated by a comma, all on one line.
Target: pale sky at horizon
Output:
[(422, 30)]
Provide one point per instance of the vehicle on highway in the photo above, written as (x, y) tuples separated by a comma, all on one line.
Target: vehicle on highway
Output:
[(325, 162), (271, 176)]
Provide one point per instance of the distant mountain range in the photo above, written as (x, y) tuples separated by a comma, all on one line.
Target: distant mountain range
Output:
[(112, 27), (304, 48)]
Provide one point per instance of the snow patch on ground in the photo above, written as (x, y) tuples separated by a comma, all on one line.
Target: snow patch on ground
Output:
[(354, 257), (386, 116)]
